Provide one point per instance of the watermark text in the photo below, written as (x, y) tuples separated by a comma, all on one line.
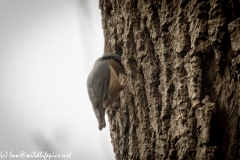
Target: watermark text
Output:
[(35, 154)]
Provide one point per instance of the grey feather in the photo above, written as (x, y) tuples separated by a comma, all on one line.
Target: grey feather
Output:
[(98, 82)]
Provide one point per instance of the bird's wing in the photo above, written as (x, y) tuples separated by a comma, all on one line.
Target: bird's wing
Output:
[(98, 82)]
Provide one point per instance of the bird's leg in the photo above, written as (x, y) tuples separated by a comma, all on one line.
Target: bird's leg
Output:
[(115, 110), (110, 107), (124, 85)]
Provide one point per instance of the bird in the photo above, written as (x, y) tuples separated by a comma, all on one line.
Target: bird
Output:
[(103, 84)]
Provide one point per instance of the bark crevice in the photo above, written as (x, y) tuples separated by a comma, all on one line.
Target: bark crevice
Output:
[(182, 60)]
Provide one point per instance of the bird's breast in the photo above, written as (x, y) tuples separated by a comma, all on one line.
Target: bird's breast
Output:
[(114, 86)]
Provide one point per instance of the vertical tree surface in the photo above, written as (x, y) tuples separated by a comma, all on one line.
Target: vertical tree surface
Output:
[(183, 67)]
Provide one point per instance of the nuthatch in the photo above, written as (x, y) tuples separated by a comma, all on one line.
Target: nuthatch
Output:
[(103, 84)]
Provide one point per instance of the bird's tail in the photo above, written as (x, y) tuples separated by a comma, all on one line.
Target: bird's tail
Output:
[(102, 124), (100, 115), (101, 120)]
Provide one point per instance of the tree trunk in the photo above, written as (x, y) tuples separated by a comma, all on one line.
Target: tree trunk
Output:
[(182, 62)]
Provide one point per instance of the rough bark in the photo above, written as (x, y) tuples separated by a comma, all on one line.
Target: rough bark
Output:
[(183, 67)]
